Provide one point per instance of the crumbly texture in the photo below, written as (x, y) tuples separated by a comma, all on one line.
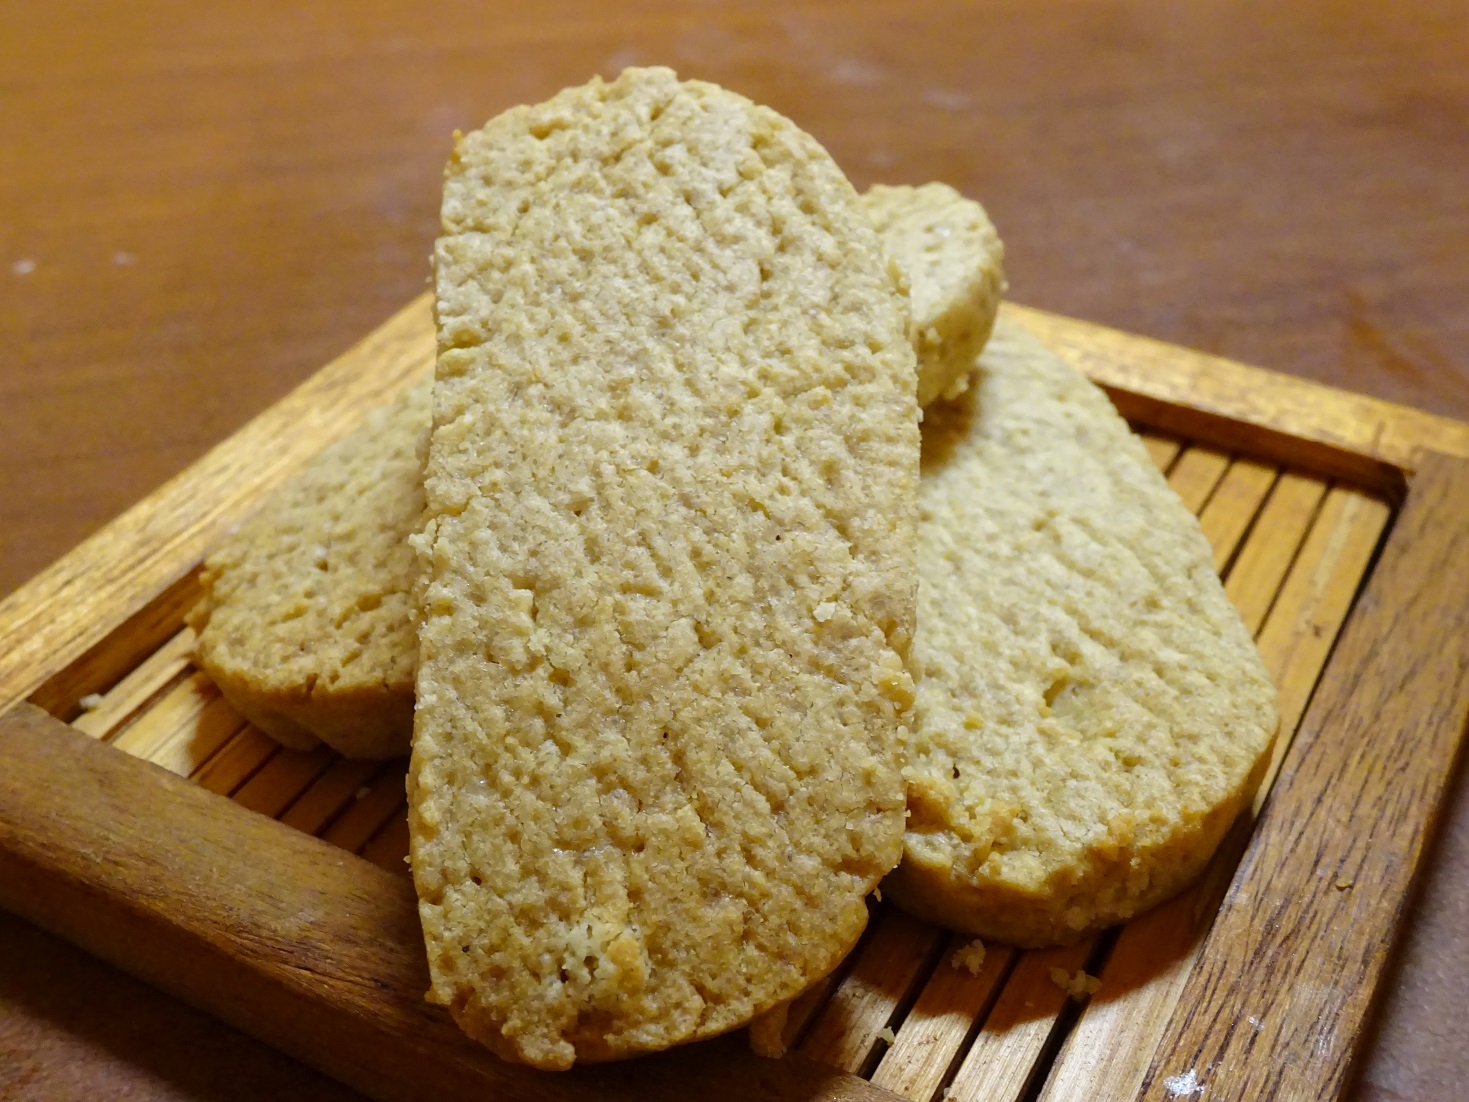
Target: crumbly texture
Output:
[(670, 547), (1077, 986), (970, 957), (947, 247), (1091, 712), (307, 623)]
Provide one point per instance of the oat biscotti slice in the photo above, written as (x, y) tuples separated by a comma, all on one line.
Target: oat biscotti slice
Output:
[(670, 556), (947, 248), (1091, 713), (307, 622)]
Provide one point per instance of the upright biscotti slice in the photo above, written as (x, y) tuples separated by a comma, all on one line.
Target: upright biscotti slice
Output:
[(1091, 713), (307, 623), (670, 572), (947, 248)]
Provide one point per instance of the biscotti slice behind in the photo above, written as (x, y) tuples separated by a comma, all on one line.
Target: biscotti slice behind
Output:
[(946, 247), (307, 622), (1091, 712), (670, 572)]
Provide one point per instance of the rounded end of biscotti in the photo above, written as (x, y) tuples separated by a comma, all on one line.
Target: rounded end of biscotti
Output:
[(1122, 876), (372, 725), (954, 261)]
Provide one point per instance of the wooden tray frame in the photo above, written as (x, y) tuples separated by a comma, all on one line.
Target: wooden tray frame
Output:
[(317, 952)]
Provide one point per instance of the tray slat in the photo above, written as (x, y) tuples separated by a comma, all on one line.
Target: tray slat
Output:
[(329, 794), (886, 968), (1195, 473), (1280, 417), (1254, 578), (135, 691), (1233, 506), (389, 846), (943, 1021)]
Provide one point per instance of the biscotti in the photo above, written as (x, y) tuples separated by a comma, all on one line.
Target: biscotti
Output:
[(286, 666), (1091, 712), (669, 554), (307, 622), (947, 248)]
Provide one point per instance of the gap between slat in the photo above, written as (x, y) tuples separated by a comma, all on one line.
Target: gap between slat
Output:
[(239, 760), (941, 1025), (887, 971), (1196, 473), (388, 848), (368, 811)]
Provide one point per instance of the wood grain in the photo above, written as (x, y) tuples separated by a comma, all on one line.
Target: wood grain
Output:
[(1195, 473), (314, 951), (1002, 1059), (1254, 578), (1232, 507), (1275, 1006), (185, 729), (884, 974), (108, 659), (938, 1028), (139, 687)]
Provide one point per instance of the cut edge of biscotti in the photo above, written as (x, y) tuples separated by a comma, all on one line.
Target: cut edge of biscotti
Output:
[(759, 703), (1082, 900)]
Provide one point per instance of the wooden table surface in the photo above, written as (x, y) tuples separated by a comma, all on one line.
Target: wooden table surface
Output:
[(200, 204)]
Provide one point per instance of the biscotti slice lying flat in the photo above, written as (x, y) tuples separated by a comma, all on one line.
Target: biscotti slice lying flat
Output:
[(1091, 713), (954, 262), (670, 556), (307, 623)]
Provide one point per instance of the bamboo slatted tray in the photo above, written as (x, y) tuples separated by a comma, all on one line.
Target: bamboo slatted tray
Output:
[(1339, 523)]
